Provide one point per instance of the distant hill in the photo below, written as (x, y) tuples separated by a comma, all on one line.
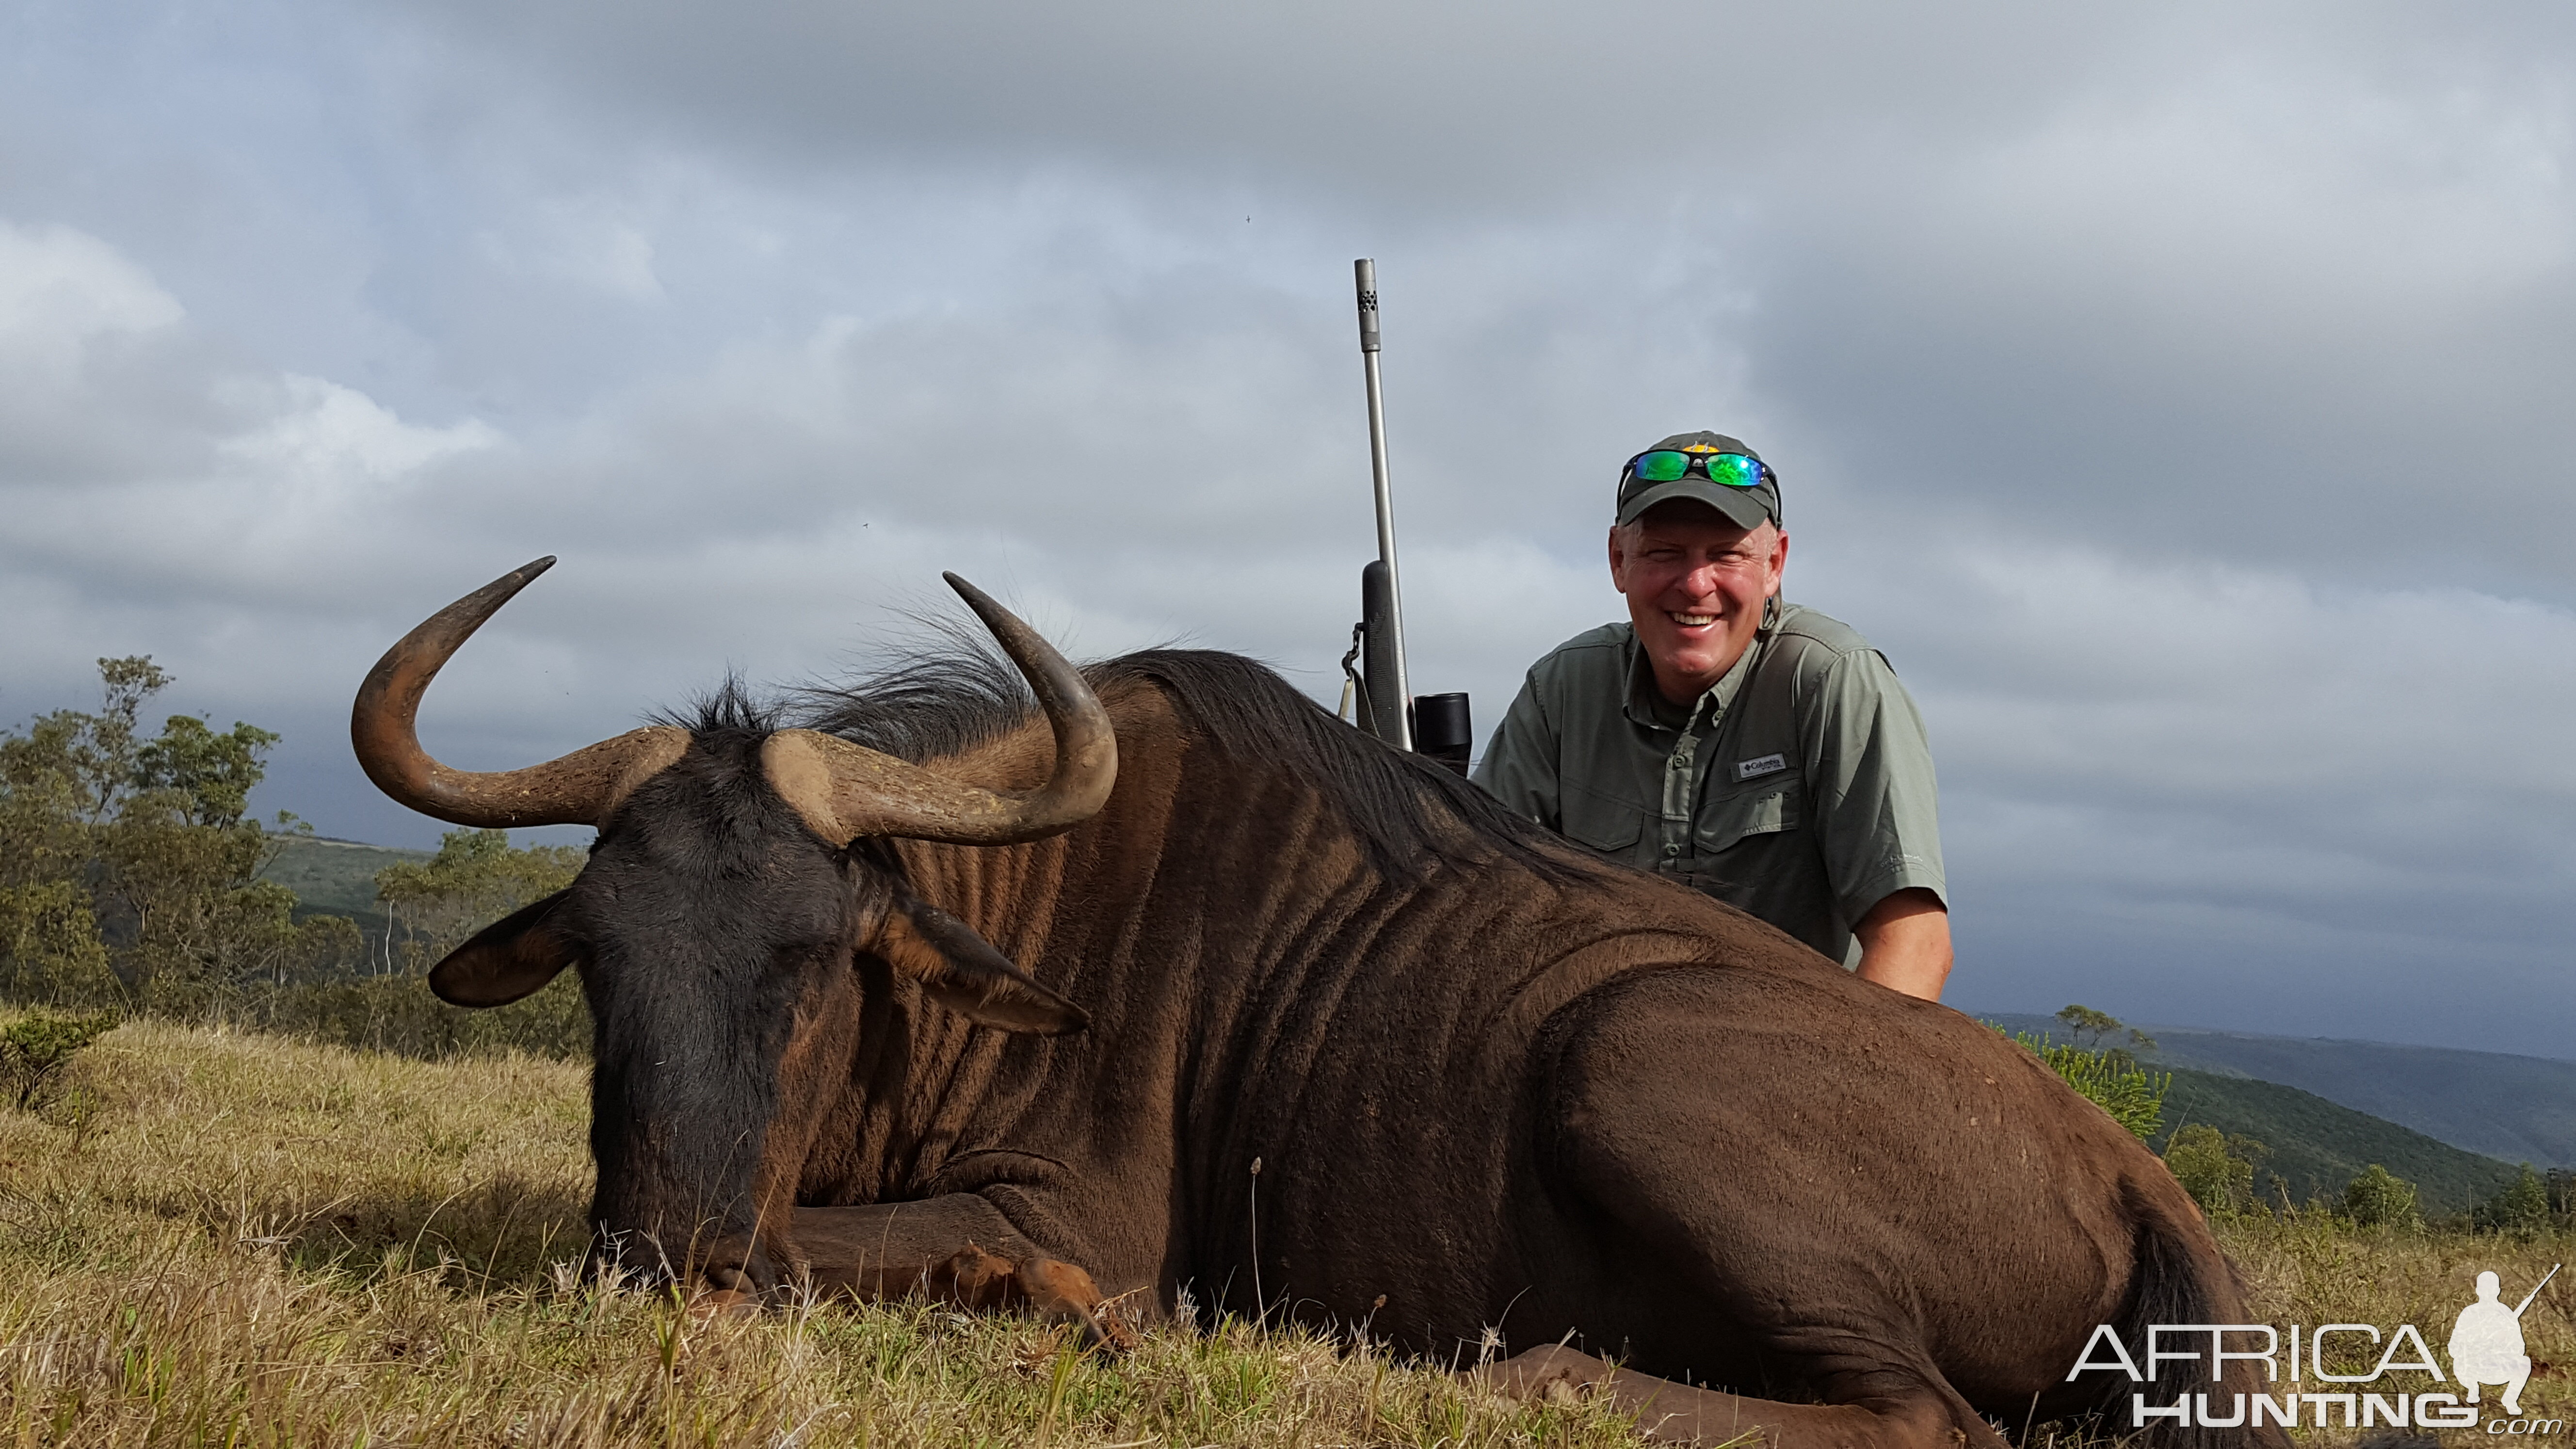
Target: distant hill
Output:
[(2318, 1146), (337, 877), (2512, 1108)]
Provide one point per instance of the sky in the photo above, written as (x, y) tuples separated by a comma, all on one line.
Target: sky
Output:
[(2176, 395)]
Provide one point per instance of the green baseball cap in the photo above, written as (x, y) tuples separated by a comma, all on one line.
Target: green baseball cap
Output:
[(1709, 468)]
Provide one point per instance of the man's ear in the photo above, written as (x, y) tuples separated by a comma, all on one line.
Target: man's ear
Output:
[(506, 960), (962, 972)]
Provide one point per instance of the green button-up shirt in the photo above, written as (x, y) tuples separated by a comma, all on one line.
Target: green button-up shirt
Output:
[(1799, 787)]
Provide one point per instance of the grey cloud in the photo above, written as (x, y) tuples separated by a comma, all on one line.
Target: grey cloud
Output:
[(2173, 396)]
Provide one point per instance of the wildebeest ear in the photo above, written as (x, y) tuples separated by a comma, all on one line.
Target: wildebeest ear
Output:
[(963, 972), (505, 960)]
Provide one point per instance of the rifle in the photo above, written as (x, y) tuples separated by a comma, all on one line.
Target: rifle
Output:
[(1436, 725), (2536, 1287)]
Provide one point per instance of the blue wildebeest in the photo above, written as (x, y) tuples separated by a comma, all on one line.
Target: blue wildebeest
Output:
[(946, 986)]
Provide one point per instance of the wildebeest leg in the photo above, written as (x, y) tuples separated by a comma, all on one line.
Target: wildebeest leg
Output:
[(1668, 1412), (1673, 1413), (957, 1249)]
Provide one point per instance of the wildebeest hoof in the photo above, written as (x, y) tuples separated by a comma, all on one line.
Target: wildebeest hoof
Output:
[(1112, 1336), (976, 1279)]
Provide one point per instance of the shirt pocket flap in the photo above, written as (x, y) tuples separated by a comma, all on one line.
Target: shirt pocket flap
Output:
[(1604, 824), (1725, 822)]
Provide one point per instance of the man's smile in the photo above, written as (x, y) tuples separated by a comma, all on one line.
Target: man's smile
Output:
[(1691, 621)]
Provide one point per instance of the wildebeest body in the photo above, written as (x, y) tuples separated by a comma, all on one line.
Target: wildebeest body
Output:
[(1490, 1082), (1512, 1087)]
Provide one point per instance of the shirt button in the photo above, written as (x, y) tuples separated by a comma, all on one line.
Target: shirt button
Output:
[(1672, 850)]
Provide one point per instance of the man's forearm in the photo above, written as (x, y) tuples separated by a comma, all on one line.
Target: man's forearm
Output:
[(1905, 943)]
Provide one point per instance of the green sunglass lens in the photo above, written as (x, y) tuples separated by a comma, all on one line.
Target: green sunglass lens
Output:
[(1734, 470), (1662, 466)]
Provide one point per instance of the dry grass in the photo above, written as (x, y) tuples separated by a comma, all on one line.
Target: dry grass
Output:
[(2306, 1270), (237, 1239)]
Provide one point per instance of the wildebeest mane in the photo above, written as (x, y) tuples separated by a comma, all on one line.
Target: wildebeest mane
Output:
[(1408, 812), (731, 709)]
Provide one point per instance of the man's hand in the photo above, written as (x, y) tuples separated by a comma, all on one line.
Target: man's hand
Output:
[(1905, 943)]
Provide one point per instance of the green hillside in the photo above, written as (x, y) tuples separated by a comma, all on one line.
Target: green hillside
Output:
[(2518, 1108), (336, 877), (2318, 1146), (2496, 1104)]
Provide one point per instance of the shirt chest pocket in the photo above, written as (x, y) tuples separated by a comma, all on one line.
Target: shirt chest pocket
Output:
[(1605, 824), (1754, 813)]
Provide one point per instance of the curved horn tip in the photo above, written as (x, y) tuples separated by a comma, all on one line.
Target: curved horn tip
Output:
[(524, 575), (486, 601), (1000, 620)]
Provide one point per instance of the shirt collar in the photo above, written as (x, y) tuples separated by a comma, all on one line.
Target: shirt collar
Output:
[(1644, 698)]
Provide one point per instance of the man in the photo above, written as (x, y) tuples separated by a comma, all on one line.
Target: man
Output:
[(1756, 750)]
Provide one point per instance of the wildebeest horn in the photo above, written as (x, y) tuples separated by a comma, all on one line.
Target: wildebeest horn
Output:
[(577, 789), (845, 791)]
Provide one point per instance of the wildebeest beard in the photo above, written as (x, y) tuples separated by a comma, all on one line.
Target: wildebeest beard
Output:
[(1492, 1082)]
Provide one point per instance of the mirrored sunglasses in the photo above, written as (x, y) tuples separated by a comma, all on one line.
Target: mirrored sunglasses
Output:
[(1668, 465)]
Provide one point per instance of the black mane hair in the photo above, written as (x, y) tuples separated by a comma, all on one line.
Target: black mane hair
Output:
[(731, 710), (1409, 812)]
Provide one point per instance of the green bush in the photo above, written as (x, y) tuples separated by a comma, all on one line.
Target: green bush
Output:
[(2217, 1170), (2378, 1198), (50, 949), (2110, 1080), (398, 1015), (35, 1049), (2521, 1208)]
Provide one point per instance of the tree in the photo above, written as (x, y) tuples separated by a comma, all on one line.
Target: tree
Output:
[(2083, 1019), (2521, 1208), (211, 774), (476, 878), (2217, 1170), (50, 949), (129, 867), (2377, 1198)]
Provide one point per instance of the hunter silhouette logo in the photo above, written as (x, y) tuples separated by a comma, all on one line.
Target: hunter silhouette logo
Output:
[(2486, 1342)]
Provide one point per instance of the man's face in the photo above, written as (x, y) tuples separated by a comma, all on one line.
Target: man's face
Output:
[(1695, 585)]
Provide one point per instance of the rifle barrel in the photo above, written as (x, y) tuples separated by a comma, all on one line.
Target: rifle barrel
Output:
[(1364, 273), (2536, 1287)]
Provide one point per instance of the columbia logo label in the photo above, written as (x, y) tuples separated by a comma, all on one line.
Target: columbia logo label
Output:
[(1766, 765)]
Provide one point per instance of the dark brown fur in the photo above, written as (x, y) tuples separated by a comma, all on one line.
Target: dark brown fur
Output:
[(1488, 1081)]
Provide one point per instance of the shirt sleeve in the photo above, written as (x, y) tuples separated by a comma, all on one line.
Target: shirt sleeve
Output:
[(1871, 786), (1520, 763)]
